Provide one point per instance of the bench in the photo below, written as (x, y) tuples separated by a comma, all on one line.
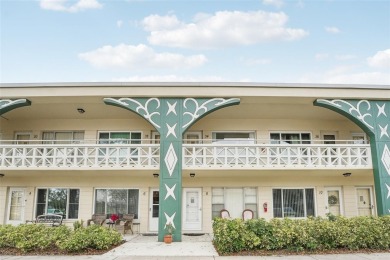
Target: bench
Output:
[(50, 219)]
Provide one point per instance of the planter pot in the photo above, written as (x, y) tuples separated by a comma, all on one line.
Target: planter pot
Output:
[(168, 239)]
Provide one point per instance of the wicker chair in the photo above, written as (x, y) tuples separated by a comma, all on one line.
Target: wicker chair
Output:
[(247, 214), (97, 219), (126, 223), (224, 213)]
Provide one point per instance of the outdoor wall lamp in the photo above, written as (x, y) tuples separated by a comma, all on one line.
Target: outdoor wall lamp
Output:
[(192, 174), (155, 175), (347, 174), (80, 110), (2, 175)]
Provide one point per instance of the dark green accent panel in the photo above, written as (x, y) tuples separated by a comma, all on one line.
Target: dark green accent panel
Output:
[(7, 105), (373, 116), (171, 117)]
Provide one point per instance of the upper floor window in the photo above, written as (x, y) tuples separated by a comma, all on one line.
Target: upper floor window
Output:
[(120, 137), (58, 201), (62, 137), (190, 137), (290, 138), (359, 138), (234, 137)]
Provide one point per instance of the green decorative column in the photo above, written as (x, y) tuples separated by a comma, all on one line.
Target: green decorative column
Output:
[(373, 116), (171, 117), (9, 104)]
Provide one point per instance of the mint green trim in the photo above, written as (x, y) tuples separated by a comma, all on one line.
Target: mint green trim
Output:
[(171, 117), (7, 105), (373, 116)]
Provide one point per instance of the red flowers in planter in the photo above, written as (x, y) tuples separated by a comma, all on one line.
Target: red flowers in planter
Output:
[(114, 217)]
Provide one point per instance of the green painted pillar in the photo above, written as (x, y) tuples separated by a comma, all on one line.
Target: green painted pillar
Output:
[(171, 117), (373, 116), (9, 104)]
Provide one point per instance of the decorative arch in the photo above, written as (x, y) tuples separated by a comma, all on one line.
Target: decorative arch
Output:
[(171, 117), (373, 116), (7, 105)]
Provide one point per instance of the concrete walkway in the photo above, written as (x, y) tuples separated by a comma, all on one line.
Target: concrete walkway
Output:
[(192, 247)]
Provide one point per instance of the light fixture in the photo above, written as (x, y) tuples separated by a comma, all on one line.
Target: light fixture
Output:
[(80, 110), (2, 175), (347, 174), (155, 175), (192, 174)]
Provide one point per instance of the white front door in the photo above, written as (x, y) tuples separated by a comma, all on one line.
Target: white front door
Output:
[(333, 201), (364, 201), (16, 204), (192, 209), (154, 206)]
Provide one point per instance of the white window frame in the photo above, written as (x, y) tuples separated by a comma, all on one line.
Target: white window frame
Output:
[(359, 135), (136, 220), (291, 132), (304, 200), (54, 132), (22, 133), (67, 199), (243, 198), (250, 140), (125, 131)]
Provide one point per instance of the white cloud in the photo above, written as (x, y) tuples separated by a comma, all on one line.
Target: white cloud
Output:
[(381, 59), (276, 3), (345, 57), (64, 6), (348, 74), (321, 56), (252, 62), (333, 29), (225, 28), (119, 23), (378, 78), (300, 4), (157, 23), (342, 57), (139, 56), (171, 78)]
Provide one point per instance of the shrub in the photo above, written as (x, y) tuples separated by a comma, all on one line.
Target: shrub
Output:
[(302, 234), (32, 237), (233, 236)]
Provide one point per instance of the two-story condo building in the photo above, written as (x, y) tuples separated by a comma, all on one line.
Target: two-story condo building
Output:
[(182, 152)]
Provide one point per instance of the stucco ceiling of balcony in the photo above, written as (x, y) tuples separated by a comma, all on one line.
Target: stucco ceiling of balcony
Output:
[(249, 108), (226, 177)]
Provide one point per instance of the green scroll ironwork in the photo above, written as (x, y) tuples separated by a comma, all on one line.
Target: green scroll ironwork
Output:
[(171, 117)]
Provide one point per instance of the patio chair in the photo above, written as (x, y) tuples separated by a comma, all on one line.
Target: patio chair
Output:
[(97, 219), (126, 223), (247, 214), (224, 213)]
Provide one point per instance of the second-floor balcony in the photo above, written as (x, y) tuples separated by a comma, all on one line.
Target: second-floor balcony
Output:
[(84, 155)]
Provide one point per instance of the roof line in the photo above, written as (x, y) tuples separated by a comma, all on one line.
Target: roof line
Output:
[(192, 84)]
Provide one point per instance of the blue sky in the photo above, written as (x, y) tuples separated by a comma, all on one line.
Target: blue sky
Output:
[(275, 41)]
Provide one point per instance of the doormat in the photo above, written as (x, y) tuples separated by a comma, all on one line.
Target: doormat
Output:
[(149, 234), (193, 234)]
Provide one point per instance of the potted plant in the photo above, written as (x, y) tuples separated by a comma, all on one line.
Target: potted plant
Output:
[(168, 236)]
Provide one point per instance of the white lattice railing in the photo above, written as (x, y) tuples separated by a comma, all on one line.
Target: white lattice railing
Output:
[(276, 156), (195, 156), (80, 156)]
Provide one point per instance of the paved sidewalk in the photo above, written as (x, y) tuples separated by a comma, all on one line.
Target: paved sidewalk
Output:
[(193, 247)]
